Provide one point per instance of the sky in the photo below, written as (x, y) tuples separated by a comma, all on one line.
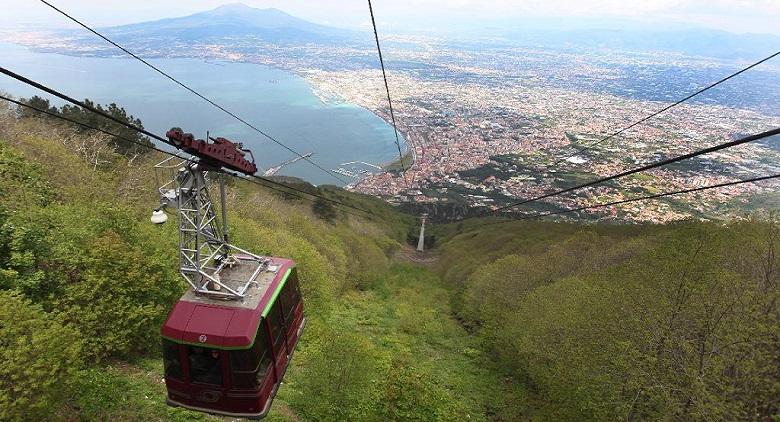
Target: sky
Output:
[(739, 16)]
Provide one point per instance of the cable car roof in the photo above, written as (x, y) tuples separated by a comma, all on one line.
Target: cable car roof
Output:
[(227, 324)]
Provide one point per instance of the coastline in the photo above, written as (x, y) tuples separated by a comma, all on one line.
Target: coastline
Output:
[(329, 97)]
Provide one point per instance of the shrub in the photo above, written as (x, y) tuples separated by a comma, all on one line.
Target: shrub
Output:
[(39, 359), (121, 298), (324, 210)]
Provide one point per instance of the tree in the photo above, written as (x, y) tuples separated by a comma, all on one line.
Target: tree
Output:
[(340, 379), (128, 141), (39, 103), (122, 295)]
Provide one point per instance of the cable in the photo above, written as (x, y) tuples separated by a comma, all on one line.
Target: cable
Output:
[(254, 179), (643, 198), (387, 89), (270, 185), (333, 201), (657, 164), (131, 54), (646, 118)]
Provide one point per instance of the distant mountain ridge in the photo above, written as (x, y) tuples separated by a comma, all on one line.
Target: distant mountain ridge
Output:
[(693, 42), (276, 26), (231, 20)]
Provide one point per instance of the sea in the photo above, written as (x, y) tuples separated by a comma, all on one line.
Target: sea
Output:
[(281, 104)]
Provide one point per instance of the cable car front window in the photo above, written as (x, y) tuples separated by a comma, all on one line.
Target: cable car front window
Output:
[(171, 360), (276, 322), (205, 366)]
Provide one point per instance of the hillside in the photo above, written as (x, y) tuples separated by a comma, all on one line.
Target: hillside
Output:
[(523, 321), (615, 322)]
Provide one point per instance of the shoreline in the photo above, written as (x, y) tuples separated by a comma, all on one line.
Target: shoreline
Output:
[(327, 97)]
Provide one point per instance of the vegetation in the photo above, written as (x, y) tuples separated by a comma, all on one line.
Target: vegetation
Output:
[(323, 209), (628, 323), (127, 142), (519, 321), (38, 357), (406, 161)]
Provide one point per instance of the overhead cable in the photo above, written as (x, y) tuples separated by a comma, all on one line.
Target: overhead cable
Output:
[(654, 165), (262, 181), (669, 107)]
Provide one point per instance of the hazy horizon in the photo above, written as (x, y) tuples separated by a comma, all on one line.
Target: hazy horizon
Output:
[(745, 16)]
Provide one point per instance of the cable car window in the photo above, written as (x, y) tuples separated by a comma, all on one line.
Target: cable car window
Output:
[(251, 366), (288, 303), (171, 360), (275, 320), (205, 366)]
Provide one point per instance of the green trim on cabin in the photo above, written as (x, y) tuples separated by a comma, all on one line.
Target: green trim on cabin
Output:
[(209, 346), (263, 315), (276, 293)]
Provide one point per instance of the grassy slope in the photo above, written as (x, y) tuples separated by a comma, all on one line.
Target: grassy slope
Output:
[(408, 311)]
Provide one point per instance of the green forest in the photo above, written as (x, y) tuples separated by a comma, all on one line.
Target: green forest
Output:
[(523, 321)]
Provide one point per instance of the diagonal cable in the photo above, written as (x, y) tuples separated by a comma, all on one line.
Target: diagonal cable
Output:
[(656, 164), (387, 89), (642, 198), (252, 179)]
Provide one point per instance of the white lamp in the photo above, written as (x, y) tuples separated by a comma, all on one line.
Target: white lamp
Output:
[(159, 217)]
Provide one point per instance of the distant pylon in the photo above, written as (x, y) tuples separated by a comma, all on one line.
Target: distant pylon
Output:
[(421, 241)]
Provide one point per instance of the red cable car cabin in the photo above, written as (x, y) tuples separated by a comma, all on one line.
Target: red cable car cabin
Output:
[(229, 357)]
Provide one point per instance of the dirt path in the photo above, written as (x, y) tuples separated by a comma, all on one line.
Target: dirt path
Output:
[(410, 254)]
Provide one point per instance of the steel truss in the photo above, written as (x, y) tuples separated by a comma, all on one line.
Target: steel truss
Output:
[(204, 251)]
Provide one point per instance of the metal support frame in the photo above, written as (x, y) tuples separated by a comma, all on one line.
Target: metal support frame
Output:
[(421, 240), (204, 251)]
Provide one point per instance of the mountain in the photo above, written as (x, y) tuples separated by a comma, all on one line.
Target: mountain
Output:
[(234, 20), (275, 26), (694, 42), (605, 33)]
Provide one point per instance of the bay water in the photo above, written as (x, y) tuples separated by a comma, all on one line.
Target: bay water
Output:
[(281, 104)]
